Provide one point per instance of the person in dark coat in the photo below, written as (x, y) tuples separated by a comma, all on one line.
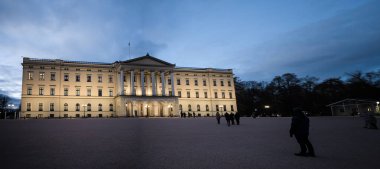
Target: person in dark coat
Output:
[(232, 118), (227, 116), (300, 129), (218, 117), (237, 118), (193, 114)]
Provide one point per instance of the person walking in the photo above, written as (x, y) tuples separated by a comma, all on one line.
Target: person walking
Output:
[(237, 118), (218, 117), (227, 116), (232, 118), (300, 129)]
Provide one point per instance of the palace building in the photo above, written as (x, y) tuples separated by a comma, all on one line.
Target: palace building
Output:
[(141, 87)]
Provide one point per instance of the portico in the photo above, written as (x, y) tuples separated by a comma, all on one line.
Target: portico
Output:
[(143, 90)]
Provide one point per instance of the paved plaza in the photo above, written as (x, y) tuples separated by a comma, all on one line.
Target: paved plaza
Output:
[(262, 143)]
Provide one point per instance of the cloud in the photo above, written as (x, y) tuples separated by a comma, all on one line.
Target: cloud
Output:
[(343, 43)]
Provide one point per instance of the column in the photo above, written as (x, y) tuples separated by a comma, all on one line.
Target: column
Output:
[(121, 87), (142, 83), (163, 83), (172, 80), (132, 83), (153, 77)]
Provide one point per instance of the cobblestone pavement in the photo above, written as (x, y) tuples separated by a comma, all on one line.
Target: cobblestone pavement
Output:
[(262, 143)]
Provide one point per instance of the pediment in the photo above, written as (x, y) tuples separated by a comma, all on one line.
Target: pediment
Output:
[(147, 61)]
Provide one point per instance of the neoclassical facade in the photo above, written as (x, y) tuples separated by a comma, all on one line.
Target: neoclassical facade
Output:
[(140, 87)]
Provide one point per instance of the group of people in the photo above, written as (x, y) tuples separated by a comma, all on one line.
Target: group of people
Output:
[(230, 118), (188, 114)]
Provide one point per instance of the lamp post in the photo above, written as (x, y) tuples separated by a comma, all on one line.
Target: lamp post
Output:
[(170, 110), (84, 110), (266, 107), (147, 110), (126, 109), (377, 107)]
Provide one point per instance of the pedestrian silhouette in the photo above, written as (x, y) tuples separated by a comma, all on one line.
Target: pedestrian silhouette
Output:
[(300, 129), (218, 117), (194, 114), (227, 116), (232, 118), (237, 118)]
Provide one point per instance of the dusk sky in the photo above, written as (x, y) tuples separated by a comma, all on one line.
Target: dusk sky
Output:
[(257, 39)]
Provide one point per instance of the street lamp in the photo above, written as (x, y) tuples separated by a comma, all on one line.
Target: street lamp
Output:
[(170, 109), (377, 107), (84, 110), (147, 110), (266, 107)]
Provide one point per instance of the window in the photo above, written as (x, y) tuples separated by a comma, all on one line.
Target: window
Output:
[(207, 109), (170, 93), (66, 107), (100, 92), (178, 81), (179, 94), (221, 83), (99, 70), (52, 91), (77, 91), (66, 91), (41, 91), (206, 96), (223, 95), (77, 78), (29, 90), (180, 107), (187, 82), (88, 92), (224, 108), (52, 76), (217, 107), (51, 106), (229, 83), (198, 107), (214, 82), (42, 76), (66, 68), (188, 94), (230, 93), (169, 81), (189, 107), (77, 70), (232, 108), (100, 107), (111, 107), (77, 107), (110, 79), (100, 79), (88, 78), (40, 107), (196, 82), (88, 70), (204, 83), (197, 94), (28, 106), (88, 107), (66, 77), (30, 75), (42, 67), (216, 95), (110, 92)]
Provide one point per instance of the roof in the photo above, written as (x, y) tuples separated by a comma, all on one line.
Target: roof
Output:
[(349, 101), (147, 56)]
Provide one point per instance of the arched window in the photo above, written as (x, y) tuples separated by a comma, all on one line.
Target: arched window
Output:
[(198, 107), (100, 107), (66, 107), (77, 107), (189, 107), (88, 107), (111, 107), (180, 107)]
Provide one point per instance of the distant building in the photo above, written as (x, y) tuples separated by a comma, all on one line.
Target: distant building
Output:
[(349, 107), (144, 86)]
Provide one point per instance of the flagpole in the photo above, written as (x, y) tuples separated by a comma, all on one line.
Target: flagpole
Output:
[(129, 50)]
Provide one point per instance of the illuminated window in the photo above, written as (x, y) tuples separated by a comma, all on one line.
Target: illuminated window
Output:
[(66, 107), (30, 75), (110, 92), (42, 76)]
